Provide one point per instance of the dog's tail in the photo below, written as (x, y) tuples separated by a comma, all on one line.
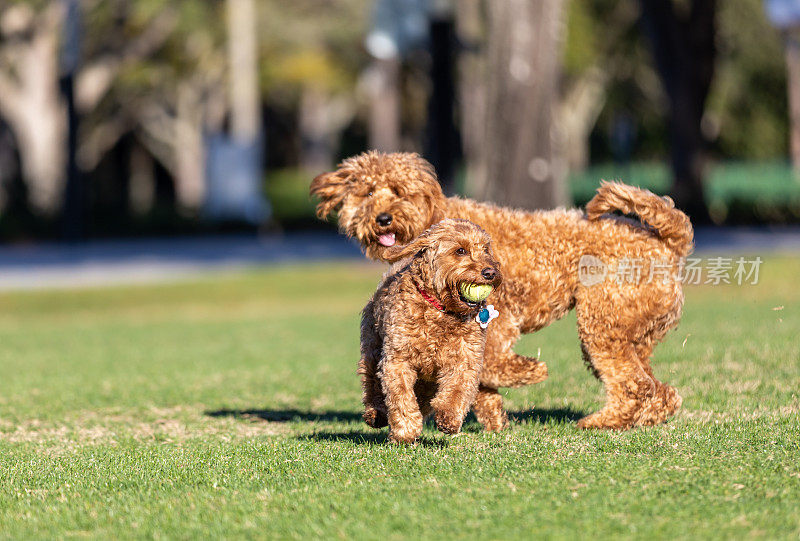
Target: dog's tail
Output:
[(672, 225)]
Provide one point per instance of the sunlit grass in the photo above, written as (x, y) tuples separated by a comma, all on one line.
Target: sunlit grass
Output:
[(230, 406)]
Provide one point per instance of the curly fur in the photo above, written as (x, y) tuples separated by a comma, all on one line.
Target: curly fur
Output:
[(417, 357), (618, 323)]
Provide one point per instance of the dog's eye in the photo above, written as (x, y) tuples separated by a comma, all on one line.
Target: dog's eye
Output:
[(461, 251), (369, 194)]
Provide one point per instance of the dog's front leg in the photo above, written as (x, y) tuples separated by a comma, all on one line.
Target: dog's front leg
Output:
[(458, 386), (501, 366), (398, 379)]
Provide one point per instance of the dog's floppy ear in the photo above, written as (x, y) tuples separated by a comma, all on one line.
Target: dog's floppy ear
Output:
[(427, 238), (331, 189), (398, 252)]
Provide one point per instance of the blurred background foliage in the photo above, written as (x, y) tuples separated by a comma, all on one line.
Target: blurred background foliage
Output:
[(152, 86)]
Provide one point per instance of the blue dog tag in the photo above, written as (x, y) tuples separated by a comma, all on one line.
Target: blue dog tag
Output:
[(486, 315)]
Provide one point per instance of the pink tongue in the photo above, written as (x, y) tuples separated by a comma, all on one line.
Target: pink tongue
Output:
[(387, 239)]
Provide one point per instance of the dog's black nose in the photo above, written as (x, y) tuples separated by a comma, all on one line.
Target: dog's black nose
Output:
[(383, 219), (489, 273)]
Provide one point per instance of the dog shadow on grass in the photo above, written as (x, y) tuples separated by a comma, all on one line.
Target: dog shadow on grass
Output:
[(536, 416), (541, 416), (287, 415), (295, 415), (372, 438)]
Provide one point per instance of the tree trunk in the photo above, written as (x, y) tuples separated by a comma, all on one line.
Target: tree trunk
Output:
[(316, 141), (40, 133), (522, 145), (684, 51), (472, 92), (793, 91), (175, 136), (189, 149), (383, 87), (442, 145), (29, 91), (243, 75), (31, 103), (578, 113), (142, 185)]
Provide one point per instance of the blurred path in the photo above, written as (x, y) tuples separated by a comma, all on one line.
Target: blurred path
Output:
[(748, 240), (157, 260)]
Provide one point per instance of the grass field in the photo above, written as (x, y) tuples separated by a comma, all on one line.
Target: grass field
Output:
[(230, 407)]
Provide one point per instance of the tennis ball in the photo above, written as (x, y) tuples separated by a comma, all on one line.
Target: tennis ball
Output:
[(475, 292)]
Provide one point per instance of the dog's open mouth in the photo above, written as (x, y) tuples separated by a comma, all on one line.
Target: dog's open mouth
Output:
[(387, 239), (474, 294)]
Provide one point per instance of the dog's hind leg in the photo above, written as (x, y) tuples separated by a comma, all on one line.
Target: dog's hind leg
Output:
[(626, 383), (371, 392), (488, 409), (634, 397), (664, 401)]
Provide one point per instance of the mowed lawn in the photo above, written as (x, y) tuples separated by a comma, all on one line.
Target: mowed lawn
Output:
[(230, 407)]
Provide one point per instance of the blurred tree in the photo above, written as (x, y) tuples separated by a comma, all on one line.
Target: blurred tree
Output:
[(234, 163), (313, 56), (179, 96), (30, 100), (793, 89), (683, 35), (597, 53), (524, 163), (747, 110), (382, 85), (745, 115), (29, 75), (471, 33), (442, 143), (245, 98)]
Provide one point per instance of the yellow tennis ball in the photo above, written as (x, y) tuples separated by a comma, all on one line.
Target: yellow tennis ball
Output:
[(475, 292)]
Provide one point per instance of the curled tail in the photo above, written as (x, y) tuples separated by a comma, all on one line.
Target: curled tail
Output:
[(672, 225)]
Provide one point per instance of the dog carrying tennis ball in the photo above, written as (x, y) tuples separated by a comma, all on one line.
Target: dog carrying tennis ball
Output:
[(475, 292)]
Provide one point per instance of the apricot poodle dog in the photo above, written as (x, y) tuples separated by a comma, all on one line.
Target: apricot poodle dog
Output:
[(424, 330), (601, 264)]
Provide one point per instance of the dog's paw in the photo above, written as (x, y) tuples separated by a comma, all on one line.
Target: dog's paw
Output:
[(605, 419), (375, 418), (448, 422), (513, 371), (533, 372), (404, 438), (495, 423)]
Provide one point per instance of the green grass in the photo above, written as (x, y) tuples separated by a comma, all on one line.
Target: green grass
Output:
[(230, 407)]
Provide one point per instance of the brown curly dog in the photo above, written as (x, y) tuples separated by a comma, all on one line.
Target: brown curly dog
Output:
[(385, 199), (421, 344)]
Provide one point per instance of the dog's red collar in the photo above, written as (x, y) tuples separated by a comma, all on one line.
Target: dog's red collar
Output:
[(436, 304)]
